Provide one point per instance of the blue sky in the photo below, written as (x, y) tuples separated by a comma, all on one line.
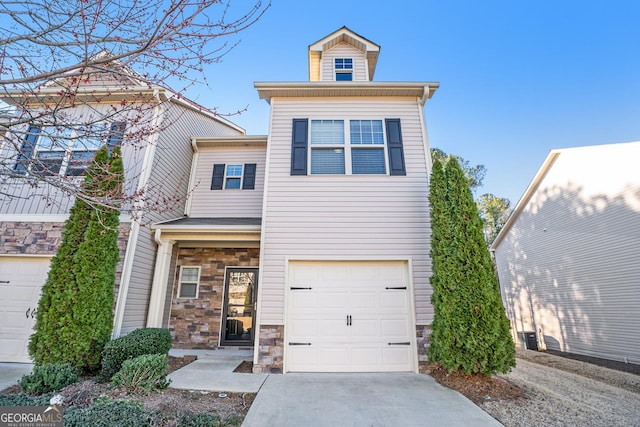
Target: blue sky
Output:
[(517, 78)]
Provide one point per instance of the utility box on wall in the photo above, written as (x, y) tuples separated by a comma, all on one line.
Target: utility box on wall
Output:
[(530, 340)]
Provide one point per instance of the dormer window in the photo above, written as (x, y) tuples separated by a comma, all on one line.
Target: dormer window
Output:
[(344, 69)]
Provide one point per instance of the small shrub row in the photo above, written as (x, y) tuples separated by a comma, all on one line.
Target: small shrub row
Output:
[(143, 373), (49, 377), (23, 399), (137, 343)]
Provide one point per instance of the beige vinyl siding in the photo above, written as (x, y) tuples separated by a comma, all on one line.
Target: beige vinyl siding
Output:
[(568, 265), (344, 50), (169, 179), (353, 217), (227, 203)]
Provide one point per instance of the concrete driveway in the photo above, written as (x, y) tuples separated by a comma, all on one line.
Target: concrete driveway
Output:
[(361, 400), (11, 373)]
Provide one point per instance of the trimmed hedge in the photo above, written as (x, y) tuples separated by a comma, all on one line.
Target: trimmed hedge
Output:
[(49, 377), (143, 373), (137, 343)]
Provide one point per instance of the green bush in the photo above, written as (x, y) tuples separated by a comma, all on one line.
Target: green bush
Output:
[(137, 343), (107, 413), (49, 377), (143, 373), (22, 399), (189, 419)]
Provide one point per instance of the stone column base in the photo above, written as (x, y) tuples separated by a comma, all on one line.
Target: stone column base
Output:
[(270, 350)]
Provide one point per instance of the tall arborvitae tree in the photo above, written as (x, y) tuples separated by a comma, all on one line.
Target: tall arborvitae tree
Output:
[(470, 332), (95, 264), (74, 316)]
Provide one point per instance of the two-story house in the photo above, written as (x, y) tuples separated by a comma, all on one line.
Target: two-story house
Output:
[(154, 129), (310, 244)]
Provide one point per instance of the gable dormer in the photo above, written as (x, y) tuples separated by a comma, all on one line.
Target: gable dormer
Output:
[(343, 56)]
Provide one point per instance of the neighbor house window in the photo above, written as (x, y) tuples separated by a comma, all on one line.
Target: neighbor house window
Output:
[(189, 280), (354, 147), (65, 150), (344, 69)]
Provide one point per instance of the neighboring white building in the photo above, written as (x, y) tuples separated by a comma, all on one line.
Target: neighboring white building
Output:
[(569, 256)]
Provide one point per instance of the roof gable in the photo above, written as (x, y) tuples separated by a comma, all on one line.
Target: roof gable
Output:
[(343, 35)]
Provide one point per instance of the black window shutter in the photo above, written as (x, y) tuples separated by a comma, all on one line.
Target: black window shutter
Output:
[(249, 178), (116, 134), (27, 148), (299, 147), (394, 147), (218, 176)]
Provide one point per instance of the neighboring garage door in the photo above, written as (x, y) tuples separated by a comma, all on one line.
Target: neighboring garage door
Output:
[(349, 317), (20, 282)]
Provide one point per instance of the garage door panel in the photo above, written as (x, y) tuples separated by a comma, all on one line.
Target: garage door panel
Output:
[(18, 301), (351, 319)]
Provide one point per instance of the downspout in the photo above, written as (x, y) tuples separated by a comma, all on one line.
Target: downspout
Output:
[(134, 232)]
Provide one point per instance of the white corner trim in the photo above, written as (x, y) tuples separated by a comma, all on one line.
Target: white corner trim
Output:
[(192, 177), (159, 283)]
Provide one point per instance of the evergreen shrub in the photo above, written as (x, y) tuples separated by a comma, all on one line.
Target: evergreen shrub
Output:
[(143, 373), (137, 343), (49, 377)]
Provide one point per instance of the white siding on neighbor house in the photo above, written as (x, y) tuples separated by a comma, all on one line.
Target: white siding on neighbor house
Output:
[(22, 199), (344, 50), (168, 181), (345, 217), (569, 265), (227, 203)]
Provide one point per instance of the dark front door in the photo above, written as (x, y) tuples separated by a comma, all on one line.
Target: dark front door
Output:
[(241, 291)]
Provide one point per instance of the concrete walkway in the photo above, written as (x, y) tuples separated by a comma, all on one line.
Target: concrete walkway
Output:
[(213, 371), (361, 400), (11, 373)]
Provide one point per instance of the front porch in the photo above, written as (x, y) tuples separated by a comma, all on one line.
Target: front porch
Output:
[(205, 282)]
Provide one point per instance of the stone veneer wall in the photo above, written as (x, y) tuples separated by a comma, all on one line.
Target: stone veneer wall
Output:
[(195, 322), (43, 238), (270, 351), (422, 333)]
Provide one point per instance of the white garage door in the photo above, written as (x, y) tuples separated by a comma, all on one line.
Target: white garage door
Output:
[(20, 282), (349, 317)]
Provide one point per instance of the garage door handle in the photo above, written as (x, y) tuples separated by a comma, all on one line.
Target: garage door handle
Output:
[(27, 313), (400, 343), (4, 281), (396, 287), (298, 289), (299, 343)]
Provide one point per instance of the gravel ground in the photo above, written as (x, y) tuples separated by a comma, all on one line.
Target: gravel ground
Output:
[(566, 392)]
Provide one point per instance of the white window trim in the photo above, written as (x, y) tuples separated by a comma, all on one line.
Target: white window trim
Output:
[(241, 177), (348, 169), (180, 282), (68, 150), (342, 70)]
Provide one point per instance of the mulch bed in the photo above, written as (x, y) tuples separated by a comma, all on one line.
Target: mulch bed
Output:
[(476, 387)]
